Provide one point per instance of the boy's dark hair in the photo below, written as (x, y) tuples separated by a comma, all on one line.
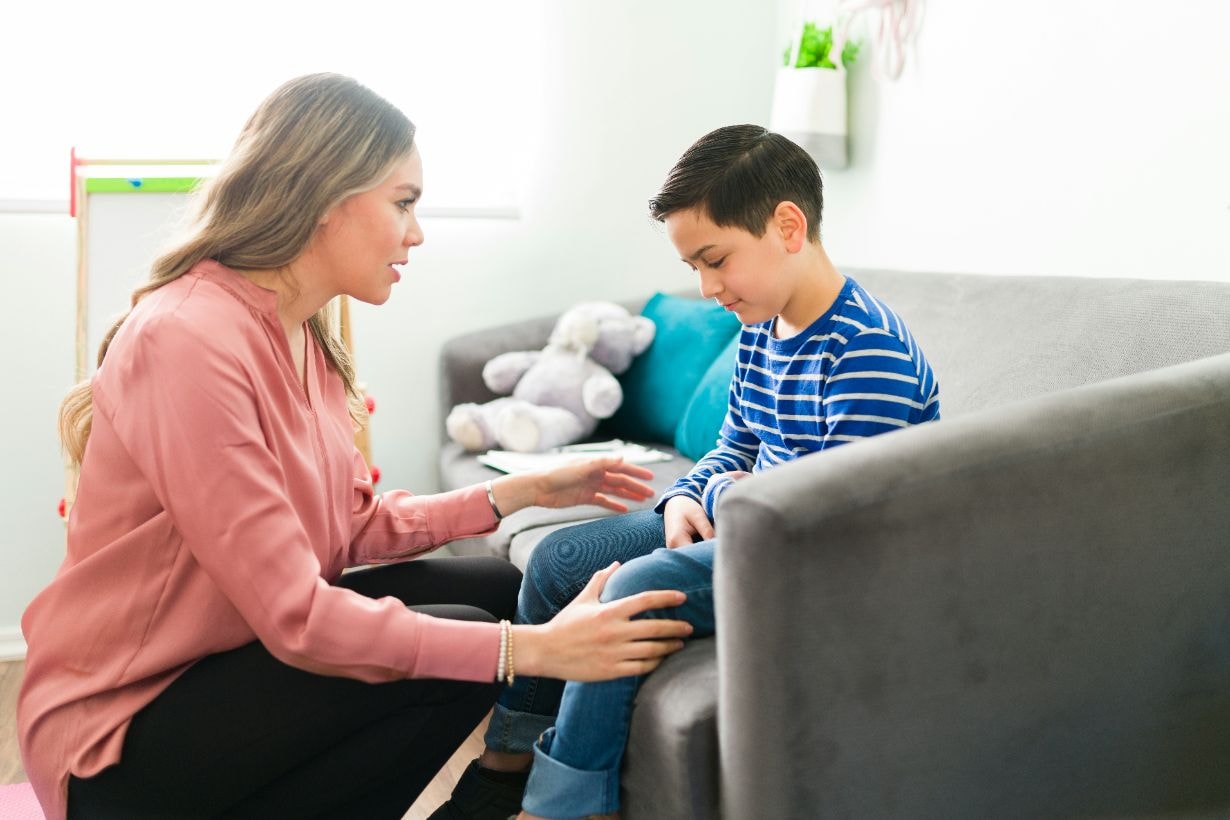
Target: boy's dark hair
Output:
[(738, 175)]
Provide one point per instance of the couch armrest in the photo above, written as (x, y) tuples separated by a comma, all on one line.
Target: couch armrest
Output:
[(1020, 612)]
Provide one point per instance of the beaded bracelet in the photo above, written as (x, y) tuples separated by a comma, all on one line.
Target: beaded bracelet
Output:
[(511, 676), (503, 660), (504, 666)]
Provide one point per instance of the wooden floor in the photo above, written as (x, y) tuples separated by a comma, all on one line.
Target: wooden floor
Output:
[(11, 771), (10, 758)]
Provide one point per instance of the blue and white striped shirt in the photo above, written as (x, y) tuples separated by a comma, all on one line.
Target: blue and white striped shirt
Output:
[(854, 372)]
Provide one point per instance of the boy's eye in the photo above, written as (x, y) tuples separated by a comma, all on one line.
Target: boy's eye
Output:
[(716, 263)]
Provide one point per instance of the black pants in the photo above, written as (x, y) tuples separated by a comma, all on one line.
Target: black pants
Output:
[(241, 734)]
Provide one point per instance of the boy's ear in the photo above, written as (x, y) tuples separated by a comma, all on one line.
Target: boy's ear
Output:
[(791, 224)]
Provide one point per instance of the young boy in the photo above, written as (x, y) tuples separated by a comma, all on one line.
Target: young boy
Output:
[(821, 362)]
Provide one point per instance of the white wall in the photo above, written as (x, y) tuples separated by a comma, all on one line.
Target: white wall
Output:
[(1045, 137), (37, 255), (1023, 138), (625, 87)]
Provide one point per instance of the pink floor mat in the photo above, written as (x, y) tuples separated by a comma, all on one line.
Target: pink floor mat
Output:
[(17, 802)]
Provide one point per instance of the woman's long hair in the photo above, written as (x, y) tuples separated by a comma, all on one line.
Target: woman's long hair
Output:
[(315, 141)]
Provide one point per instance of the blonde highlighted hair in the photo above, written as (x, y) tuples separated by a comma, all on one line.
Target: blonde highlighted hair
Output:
[(313, 142)]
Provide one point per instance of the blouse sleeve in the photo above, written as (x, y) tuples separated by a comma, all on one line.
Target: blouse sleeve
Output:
[(397, 524), (191, 422)]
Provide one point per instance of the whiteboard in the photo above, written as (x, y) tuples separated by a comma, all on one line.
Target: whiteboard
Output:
[(123, 233)]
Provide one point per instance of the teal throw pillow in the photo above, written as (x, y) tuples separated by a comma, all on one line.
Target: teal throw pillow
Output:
[(659, 384), (698, 430)]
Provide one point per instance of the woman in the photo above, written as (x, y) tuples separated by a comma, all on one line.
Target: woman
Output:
[(199, 652)]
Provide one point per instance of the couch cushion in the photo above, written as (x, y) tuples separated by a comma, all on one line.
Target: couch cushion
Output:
[(671, 768), (659, 384), (698, 429)]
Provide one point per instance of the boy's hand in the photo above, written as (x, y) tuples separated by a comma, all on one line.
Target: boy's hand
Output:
[(685, 519)]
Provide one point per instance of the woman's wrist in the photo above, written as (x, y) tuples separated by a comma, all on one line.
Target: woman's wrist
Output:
[(528, 640), (513, 492)]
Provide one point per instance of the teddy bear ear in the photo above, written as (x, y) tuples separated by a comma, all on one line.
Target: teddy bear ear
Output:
[(576, 330), (621, 339)]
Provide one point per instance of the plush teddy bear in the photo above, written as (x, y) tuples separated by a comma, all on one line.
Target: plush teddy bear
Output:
[(559, 393)]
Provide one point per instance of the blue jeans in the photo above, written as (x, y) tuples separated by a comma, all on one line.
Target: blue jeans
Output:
[(576, 763), (559, 568)]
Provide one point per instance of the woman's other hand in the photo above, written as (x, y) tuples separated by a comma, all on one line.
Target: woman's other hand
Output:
[(591, 641)]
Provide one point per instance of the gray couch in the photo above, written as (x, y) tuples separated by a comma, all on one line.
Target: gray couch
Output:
[(1020, 611)]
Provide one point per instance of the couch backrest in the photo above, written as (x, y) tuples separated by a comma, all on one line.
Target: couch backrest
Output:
[(995, 339)]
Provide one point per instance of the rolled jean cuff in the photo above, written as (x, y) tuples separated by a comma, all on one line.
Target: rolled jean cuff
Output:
[(515, 732), (556, 789)]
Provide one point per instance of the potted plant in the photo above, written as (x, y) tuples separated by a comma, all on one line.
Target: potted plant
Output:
[(809, 96)]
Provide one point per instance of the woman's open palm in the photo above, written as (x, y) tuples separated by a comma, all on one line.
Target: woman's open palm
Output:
[(600, 481)]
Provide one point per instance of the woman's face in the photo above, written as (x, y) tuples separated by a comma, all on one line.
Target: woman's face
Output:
[(365, 235)]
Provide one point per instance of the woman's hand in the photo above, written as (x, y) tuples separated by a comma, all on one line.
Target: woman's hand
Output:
[(592, 641), (598, 481), (594, 481), (684, 519)]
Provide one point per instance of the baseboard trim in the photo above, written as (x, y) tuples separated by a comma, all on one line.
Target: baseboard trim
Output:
[(12, 645)]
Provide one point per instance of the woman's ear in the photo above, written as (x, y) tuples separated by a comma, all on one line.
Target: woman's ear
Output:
[(791, 224)]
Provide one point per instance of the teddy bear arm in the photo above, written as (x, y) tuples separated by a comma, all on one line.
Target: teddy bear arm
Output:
[(642, 334), (502, 373), (601, 395)]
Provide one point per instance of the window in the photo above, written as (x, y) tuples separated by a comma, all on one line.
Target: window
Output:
[(144, 79)]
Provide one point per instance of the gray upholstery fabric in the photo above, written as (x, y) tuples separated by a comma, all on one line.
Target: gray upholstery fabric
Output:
[(674, 733), (1024, 612), (996, 339)]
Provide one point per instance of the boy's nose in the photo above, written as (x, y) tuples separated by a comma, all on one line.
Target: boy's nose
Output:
[(710, 287)]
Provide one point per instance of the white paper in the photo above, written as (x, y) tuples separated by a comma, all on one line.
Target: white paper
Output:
[(508, 461)]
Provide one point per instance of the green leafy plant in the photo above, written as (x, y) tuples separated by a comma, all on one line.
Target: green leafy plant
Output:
[(815, 43)]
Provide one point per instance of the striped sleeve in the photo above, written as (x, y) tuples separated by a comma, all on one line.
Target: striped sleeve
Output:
[(737, 448), (717, 485), (872, 388)]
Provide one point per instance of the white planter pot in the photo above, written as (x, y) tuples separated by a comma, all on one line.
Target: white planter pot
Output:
[(809, 107)]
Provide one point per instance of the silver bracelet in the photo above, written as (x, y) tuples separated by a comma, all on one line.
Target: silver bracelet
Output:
[(491, 498)]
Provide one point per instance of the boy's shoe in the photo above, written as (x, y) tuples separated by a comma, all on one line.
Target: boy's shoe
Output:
[(481, 794)]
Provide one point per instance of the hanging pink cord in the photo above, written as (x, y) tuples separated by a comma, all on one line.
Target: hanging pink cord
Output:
[(898, 24)]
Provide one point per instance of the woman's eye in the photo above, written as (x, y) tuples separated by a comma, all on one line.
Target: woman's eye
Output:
[(406, 204)]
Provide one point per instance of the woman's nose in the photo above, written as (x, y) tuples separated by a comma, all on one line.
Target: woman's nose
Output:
[(414, 234)]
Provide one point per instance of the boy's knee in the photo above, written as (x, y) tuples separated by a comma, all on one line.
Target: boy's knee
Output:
[(557, 569), (640, 575), (549, 559)]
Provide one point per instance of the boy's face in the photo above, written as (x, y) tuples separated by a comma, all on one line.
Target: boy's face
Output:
[(743, 273)]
